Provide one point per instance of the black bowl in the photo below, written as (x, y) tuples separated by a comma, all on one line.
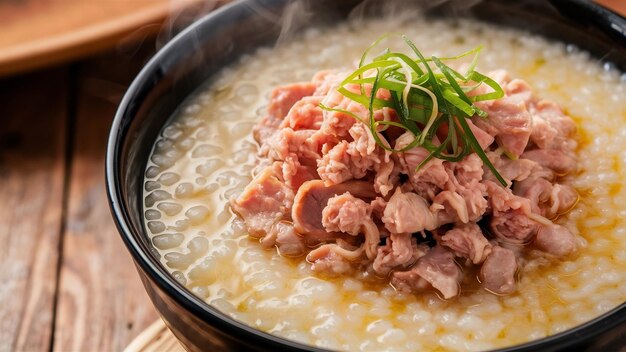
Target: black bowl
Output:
[(216, 40)]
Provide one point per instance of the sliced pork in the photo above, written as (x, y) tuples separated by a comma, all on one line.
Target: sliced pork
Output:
[(436, 268), (264, 202), (282, 100), (547, 199), (449, 207), (467, 241), (552, 129), (312, 198), (511, 169), (295, 144), (463, 197), (497, 273), (509, 122), (345, 213), (354, 159), (562, 199), (407, 212), (430, 178), (510, 221), (537, 191), (305, 114), (483, 138), (353, 197), (556, 240), (295, 174), (287, 241), (400, 250), (333, 259), (561, 162)]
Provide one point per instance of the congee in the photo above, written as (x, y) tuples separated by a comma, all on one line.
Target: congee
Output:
[(453, 187)]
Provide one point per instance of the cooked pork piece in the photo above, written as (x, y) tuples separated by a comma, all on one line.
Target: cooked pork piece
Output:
[(408, 213), (264, 202), (510, 220), (467, 241), (497, 273), (559, 161), (312, 198), (333, 259), (357, 192), (282, 100), (345, 213), (400, 251), (546, 199), (436, 268), (509, 121), (552, 129), (556, 240)]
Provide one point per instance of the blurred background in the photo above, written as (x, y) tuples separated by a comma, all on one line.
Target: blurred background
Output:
[(67, 282)]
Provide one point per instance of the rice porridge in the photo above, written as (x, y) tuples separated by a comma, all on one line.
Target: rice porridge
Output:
[(206, 156)]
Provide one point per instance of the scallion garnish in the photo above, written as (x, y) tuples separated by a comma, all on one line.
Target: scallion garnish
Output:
[(425, 98)]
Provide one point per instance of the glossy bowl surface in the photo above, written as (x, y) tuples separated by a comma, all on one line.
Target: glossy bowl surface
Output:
[(216, 40)]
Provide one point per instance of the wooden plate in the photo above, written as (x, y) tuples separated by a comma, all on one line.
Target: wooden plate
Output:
[(38, 33)]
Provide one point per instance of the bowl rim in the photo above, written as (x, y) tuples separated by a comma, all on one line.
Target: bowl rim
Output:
[(198, 307)]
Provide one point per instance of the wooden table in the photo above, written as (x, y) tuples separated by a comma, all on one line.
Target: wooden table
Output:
[(68, 283)]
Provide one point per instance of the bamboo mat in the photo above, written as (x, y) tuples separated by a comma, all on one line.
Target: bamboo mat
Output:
[(155, 338)]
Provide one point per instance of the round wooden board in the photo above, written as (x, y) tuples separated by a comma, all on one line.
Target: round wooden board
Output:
[(155, 338), (38, 33)]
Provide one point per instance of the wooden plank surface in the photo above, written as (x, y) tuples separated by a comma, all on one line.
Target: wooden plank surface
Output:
[(32, 169), (101, 305)]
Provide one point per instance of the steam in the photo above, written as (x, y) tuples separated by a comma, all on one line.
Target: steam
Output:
[(294, 15), (183, 13), (300, 13), (291, 19), (130, 44), (404, 9)]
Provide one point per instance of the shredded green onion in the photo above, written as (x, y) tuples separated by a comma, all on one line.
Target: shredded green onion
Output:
[(424, 100)]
